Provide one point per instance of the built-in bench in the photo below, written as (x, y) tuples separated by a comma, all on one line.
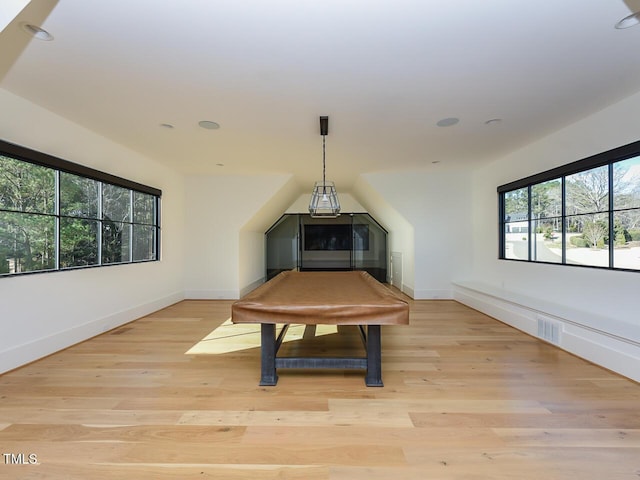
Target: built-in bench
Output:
[(605, 340)]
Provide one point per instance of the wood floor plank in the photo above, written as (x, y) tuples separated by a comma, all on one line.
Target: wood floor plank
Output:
[(528, 463), (90, 416), (622, 420), (373, 435), (282, 454), (449, 405), (465, 397), (29, 433), (227, 400), (571, 437), (307, 418), (120, 471)]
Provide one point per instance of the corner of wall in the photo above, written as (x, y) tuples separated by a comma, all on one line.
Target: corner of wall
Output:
[(20, 355)]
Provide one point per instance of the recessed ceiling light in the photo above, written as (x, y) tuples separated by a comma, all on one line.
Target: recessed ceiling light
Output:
[(209, 125), (436, 162), (37, 32), (219, 164), (448, 122), (493, 121), (629, 21), (166, 125)]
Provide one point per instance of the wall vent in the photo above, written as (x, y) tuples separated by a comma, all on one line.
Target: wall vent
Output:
[(549, 330)]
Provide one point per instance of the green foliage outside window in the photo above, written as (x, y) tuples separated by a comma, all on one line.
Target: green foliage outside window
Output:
[(95, 223)]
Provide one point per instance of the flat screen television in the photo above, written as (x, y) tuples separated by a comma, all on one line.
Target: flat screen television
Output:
[(336, 237)]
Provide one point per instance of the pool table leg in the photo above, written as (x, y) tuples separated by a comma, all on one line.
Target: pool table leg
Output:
[(374, 357), (268, 375)]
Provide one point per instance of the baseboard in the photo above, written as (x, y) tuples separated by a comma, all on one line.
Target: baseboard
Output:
[(211, 294), (28, 352), (408, 291), (252, 286), (614, 349)]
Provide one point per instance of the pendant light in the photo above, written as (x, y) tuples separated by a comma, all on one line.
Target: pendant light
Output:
[(324, 199)]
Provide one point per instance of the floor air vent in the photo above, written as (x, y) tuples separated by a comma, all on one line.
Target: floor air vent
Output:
[(549, 329)]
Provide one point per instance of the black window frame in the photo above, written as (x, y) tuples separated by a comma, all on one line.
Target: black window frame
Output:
[(607, 158), (27, 155)]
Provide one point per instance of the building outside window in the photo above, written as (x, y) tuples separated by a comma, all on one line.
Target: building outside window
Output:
[(586, 213)]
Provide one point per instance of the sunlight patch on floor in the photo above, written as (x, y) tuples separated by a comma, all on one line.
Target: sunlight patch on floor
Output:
[(230, 337)]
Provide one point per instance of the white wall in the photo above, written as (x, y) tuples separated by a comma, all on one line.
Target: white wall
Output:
[(218, 208), (596, 309), (438, 206), (252, 239), (401, 233), (46, 312)]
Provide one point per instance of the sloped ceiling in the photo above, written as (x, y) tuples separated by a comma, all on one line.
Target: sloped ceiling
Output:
[(384, 71)]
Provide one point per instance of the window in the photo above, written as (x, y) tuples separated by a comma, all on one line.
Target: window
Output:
[(516, 223), (585, 213), (57, 215)]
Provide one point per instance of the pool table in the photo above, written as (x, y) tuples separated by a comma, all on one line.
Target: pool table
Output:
[(312, 298)]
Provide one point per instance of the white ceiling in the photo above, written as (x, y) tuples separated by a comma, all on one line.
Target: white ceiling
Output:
[(383, 71)]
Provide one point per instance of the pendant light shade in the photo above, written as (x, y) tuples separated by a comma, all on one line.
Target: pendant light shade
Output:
[(324, 198)]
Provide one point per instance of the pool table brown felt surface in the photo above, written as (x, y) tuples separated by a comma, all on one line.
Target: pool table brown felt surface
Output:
[(335, 298)]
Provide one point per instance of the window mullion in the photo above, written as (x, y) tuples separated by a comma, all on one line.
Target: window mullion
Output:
[(531, 226), (131, 226), (57, 221), (100, 220), (563, 222), (501, 227), (612, 237), (156, 226)]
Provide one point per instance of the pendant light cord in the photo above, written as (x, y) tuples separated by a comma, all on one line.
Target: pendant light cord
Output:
[(324, 182)]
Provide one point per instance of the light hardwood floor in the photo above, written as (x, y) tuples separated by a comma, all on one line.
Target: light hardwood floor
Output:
[(465, 397)]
